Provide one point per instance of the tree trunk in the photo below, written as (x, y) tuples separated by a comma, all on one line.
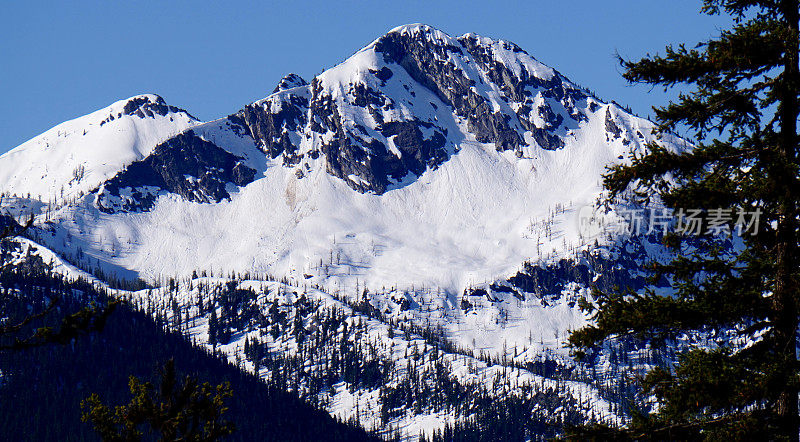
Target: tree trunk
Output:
[(785, 294)]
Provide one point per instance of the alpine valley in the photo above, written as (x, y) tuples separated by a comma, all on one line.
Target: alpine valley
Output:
[(402, 241)]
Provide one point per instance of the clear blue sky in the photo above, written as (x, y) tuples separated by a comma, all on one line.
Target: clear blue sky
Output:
[(60, 60)]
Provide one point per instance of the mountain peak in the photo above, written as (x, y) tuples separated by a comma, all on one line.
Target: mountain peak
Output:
[(145, 105), (289, 82), (403, 104), (414, 28), (151, 98), (419, 30), (74, 157)]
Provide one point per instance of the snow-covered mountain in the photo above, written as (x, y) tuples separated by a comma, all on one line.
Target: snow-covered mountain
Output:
[(75, 157), (423, 159), (428, 180)]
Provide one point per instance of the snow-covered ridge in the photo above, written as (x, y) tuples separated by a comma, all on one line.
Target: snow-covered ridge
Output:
[(76, 156), (506, 52), (403, 104)]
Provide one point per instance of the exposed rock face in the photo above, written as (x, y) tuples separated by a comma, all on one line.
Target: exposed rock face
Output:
[(146, 106), (428, 63), (611, 126), (436, 66), (542, 103), (270, 122), (186, 164), (401, 106), (373, 153), (418, 153), (290, 81)]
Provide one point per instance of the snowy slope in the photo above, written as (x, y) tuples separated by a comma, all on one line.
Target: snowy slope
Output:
[(288, 321), (76, 156), (464, 223), (403, 356)]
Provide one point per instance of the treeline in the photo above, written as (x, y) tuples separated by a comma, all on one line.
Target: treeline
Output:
[(301, 344), (330, 347), (41, 388)]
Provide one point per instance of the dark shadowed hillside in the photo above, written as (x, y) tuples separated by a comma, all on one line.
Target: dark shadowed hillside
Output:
[(42, 388)]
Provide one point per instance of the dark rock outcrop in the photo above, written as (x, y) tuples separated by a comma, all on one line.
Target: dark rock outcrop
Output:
[(427, 63), (611, 126), (186, 164), (145, 106), (366, 163), (290, 81), (270, 123)]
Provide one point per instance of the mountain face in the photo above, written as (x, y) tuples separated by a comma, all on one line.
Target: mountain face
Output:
[(185, 164), (75, 157), (433, 183), (402, 105), (399, 107)]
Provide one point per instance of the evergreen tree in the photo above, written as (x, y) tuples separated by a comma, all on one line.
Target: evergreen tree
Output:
[(742, 108), (189, 411), (213, 327)]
